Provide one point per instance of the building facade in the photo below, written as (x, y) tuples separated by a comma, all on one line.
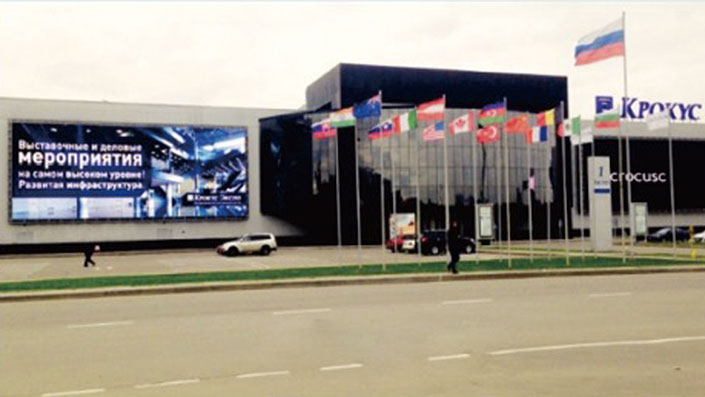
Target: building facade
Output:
[(197, 175), (404, 174), (40, 216)]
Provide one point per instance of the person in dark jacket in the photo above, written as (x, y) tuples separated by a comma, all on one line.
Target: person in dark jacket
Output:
[(453, 241), (88, 253)]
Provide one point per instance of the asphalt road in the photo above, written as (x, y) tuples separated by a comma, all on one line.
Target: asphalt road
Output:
[(581, 336)]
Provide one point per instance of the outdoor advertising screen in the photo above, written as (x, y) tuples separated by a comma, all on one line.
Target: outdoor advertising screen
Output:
[(86, 172)]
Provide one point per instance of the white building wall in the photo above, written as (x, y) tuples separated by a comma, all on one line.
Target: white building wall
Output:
[(133, 230)]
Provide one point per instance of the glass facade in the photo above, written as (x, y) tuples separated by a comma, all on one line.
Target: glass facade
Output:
[(408, 169)]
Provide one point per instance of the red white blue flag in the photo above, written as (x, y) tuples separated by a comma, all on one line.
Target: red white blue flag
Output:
[(323, 130), (381, 130), (433, 132), (370, 108), (603, 43)]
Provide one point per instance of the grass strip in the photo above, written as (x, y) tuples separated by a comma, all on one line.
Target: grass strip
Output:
[(331, 271)]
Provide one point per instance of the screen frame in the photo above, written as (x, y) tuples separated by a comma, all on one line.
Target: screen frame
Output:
[(163, 220)]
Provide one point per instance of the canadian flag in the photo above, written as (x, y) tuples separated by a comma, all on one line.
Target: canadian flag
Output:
[(463, 124)]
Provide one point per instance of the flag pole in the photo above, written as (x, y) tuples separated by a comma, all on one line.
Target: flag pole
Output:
[(580, 193), (337, 194), (593, 152), (619, 159), (573, 209), (418, 196), (393, 187), (530, 198), (357, 193), (672, 188), (565, 192), (498, 182), (549, 195), (474, 185), (382, 206), (506, 186), (629, 182), (445, 170)]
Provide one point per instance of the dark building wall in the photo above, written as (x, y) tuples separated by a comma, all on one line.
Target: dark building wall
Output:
[(347, 84), (403, 88), (285, 167)]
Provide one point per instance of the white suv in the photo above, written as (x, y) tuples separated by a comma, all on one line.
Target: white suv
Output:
[(262, 243)]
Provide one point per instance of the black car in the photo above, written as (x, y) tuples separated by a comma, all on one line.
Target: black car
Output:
[(433, 242), (665, 234)]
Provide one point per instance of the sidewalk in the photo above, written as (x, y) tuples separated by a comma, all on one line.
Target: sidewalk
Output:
[(67, 266), (46, 266), (29, 267)]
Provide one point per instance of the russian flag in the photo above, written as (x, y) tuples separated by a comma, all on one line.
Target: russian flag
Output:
[(601, 44)]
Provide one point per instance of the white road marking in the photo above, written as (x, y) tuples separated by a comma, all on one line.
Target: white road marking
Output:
[(609, 294), (466, 301), (302, 311), (262, 374), (259, 266), (169, 383), (597, 344), (73, 393), (451, 357), (93, 325), (341, 367)]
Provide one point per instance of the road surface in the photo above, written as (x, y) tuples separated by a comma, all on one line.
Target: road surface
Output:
[(580, 336)]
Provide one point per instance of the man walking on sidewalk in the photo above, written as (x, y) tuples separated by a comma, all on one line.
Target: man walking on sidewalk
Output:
[(88, 253), (453, 241)]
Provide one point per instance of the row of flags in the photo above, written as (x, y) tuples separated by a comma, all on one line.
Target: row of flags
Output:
[(489, 119), (598, 45)]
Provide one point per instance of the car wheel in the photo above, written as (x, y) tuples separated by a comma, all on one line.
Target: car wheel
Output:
[(435, 250), (265, 250), (232, 251)]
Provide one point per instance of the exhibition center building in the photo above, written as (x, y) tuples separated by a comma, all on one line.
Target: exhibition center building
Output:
[(132, 176)]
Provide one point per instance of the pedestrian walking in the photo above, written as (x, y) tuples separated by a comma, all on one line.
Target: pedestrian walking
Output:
[(88, 253), (453, 241)]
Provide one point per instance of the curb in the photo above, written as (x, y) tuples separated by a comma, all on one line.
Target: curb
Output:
[(330, 282)]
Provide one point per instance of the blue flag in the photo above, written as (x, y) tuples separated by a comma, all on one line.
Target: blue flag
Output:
[(370, 108)]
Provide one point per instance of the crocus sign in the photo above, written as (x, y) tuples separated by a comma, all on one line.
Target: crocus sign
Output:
[(633, 108)]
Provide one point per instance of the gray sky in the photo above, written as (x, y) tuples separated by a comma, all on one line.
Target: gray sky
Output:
[(265, 54)]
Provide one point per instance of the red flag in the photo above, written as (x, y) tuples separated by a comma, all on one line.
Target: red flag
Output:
[(518, 125), (488, 134)]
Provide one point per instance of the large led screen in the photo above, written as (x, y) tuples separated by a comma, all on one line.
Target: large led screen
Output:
[(82, 172)]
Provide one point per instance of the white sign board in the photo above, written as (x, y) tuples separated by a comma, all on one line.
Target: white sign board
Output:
[(485, 221), (600, 193), (639, 213)]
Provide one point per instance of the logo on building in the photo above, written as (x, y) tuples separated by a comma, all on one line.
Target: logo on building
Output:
[(634, 109), (640, 177)]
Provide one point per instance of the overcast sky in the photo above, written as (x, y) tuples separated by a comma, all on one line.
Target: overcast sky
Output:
[(265, 54)]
